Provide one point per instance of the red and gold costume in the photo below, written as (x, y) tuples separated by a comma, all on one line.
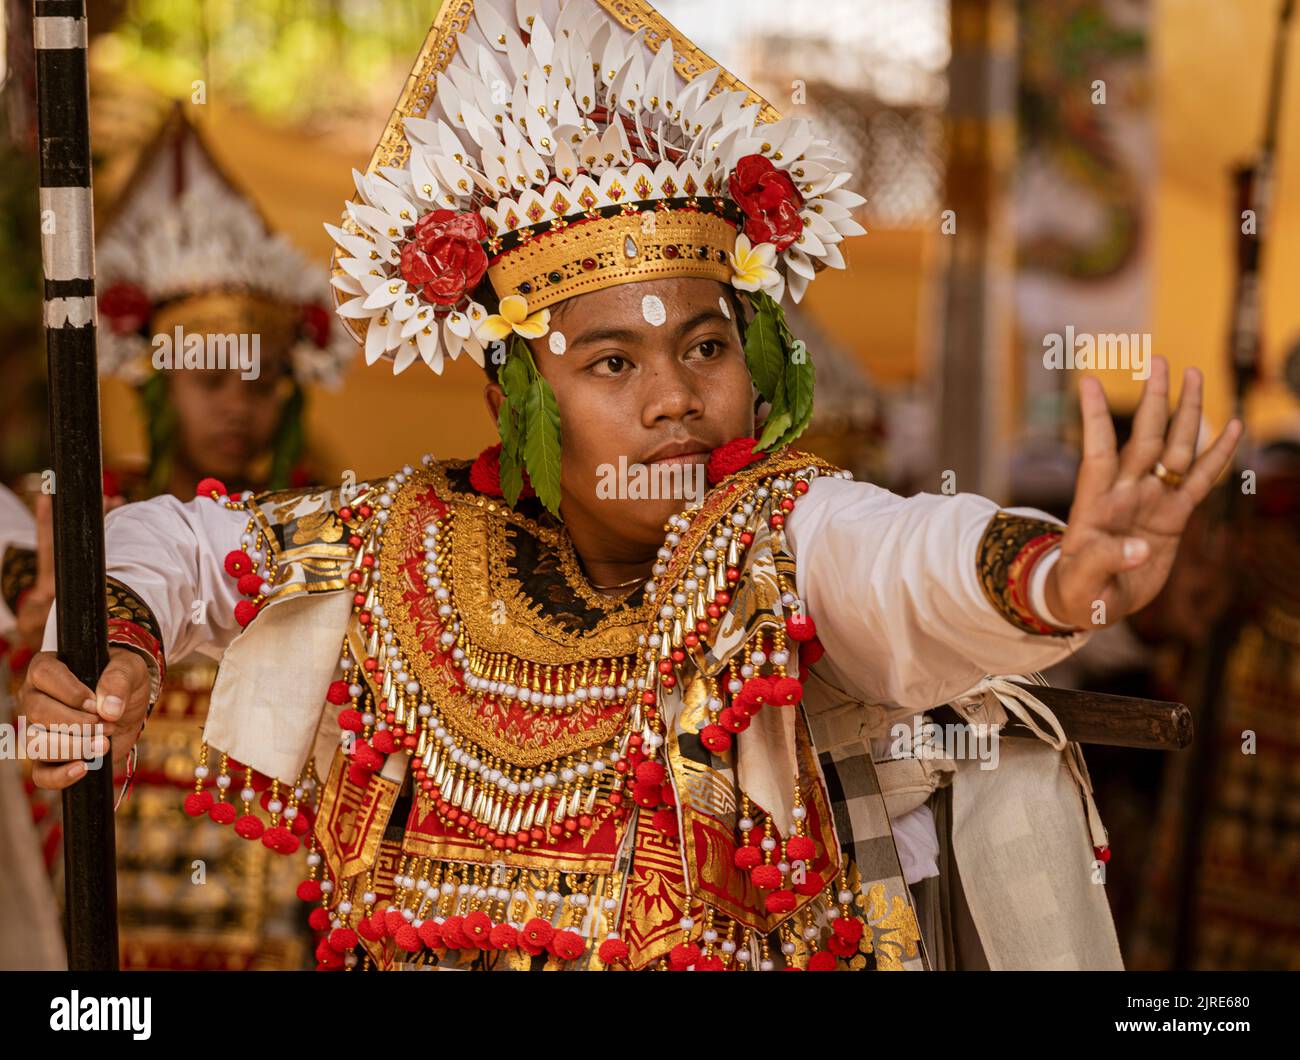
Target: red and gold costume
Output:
[(492, 763)]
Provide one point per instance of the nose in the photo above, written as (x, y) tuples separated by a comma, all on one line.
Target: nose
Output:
[(236, 398), (672, 393)]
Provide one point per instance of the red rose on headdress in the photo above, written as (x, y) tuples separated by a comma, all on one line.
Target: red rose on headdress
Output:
[(770, 200), (315, 324), (445, 259), (126, 307)]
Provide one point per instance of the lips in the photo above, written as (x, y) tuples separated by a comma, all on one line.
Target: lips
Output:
[(689, 451), (684, 458)]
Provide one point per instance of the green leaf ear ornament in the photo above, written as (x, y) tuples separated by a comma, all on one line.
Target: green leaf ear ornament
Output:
[(529, 425), (781, 369)]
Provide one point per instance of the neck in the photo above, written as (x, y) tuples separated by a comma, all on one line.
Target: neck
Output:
[(183, 481), (612, 564), (185, 478)]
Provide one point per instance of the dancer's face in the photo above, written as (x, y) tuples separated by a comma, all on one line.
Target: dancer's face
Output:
[(225, 423), (653, 373)]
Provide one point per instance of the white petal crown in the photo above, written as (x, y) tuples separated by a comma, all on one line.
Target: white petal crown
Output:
[(206, 256), (560, 146)]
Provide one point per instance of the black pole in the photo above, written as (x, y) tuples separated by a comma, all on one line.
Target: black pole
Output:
[(68, 255)]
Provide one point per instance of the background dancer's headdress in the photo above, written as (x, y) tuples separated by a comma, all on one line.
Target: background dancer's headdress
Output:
[(547, 148), (185, 246)]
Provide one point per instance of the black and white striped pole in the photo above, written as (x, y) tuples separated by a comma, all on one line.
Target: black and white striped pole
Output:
[(68, 257)]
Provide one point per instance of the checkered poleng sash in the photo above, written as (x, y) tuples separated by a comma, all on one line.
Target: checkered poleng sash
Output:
[(844, 766), (867, 841)]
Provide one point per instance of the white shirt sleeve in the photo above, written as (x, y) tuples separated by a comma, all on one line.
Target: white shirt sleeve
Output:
[(17, 530), (916, 839), (172, 556), (893, 587)]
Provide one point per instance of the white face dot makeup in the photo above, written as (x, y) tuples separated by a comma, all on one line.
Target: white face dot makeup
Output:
[(652, 308), (726, 309), (557, 342)]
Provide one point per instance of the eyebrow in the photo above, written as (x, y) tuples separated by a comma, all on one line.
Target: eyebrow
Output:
[(616, 334)]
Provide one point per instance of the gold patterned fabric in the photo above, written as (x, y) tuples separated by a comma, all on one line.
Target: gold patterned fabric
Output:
[(17, 574), (528, 775), (1010, 547)]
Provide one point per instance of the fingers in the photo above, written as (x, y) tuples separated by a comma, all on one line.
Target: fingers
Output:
[(1097, 468), (1101, 558), (1148, 439), (1210, 464), (40, 709), (1180, 445), (119, 683), (46, 674), (56, 778), (79, 723)]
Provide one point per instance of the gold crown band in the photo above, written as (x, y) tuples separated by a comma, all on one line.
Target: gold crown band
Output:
[(230, 312), (592, 255)]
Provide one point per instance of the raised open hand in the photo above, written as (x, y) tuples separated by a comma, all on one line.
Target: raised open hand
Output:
[(1130, 507)]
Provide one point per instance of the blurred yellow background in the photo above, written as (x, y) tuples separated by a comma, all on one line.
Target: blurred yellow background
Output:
[(1209, 65)]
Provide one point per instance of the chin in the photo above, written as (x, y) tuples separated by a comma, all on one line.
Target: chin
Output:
[(646, 518), (228, 470)]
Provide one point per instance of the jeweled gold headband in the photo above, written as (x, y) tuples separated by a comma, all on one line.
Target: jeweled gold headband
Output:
[(230, 312), (589, 255)]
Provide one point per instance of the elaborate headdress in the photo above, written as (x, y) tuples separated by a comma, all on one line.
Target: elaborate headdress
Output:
[(185, 246), (557, 147)]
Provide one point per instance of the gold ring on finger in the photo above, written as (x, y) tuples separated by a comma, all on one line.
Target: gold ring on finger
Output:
[(1172, 479)]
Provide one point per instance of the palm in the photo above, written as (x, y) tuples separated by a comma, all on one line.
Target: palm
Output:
[(1126, 522)]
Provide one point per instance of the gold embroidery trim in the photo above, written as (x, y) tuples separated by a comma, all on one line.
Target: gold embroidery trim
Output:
[(701, 240), (123, 604), (480, 578), (449, 849), (1001, 567), (17, 573), (496, 516), (470, 568)]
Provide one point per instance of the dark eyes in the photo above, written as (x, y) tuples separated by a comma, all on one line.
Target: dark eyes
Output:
[(610, 366), (615, 365)]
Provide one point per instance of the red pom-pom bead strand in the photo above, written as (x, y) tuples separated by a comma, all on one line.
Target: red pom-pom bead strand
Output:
[(210, 487), (198, 803), (810, 652), (716, 738), (727, 459), (612, 951), (800, 627), (780, 901), (430, 933)]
